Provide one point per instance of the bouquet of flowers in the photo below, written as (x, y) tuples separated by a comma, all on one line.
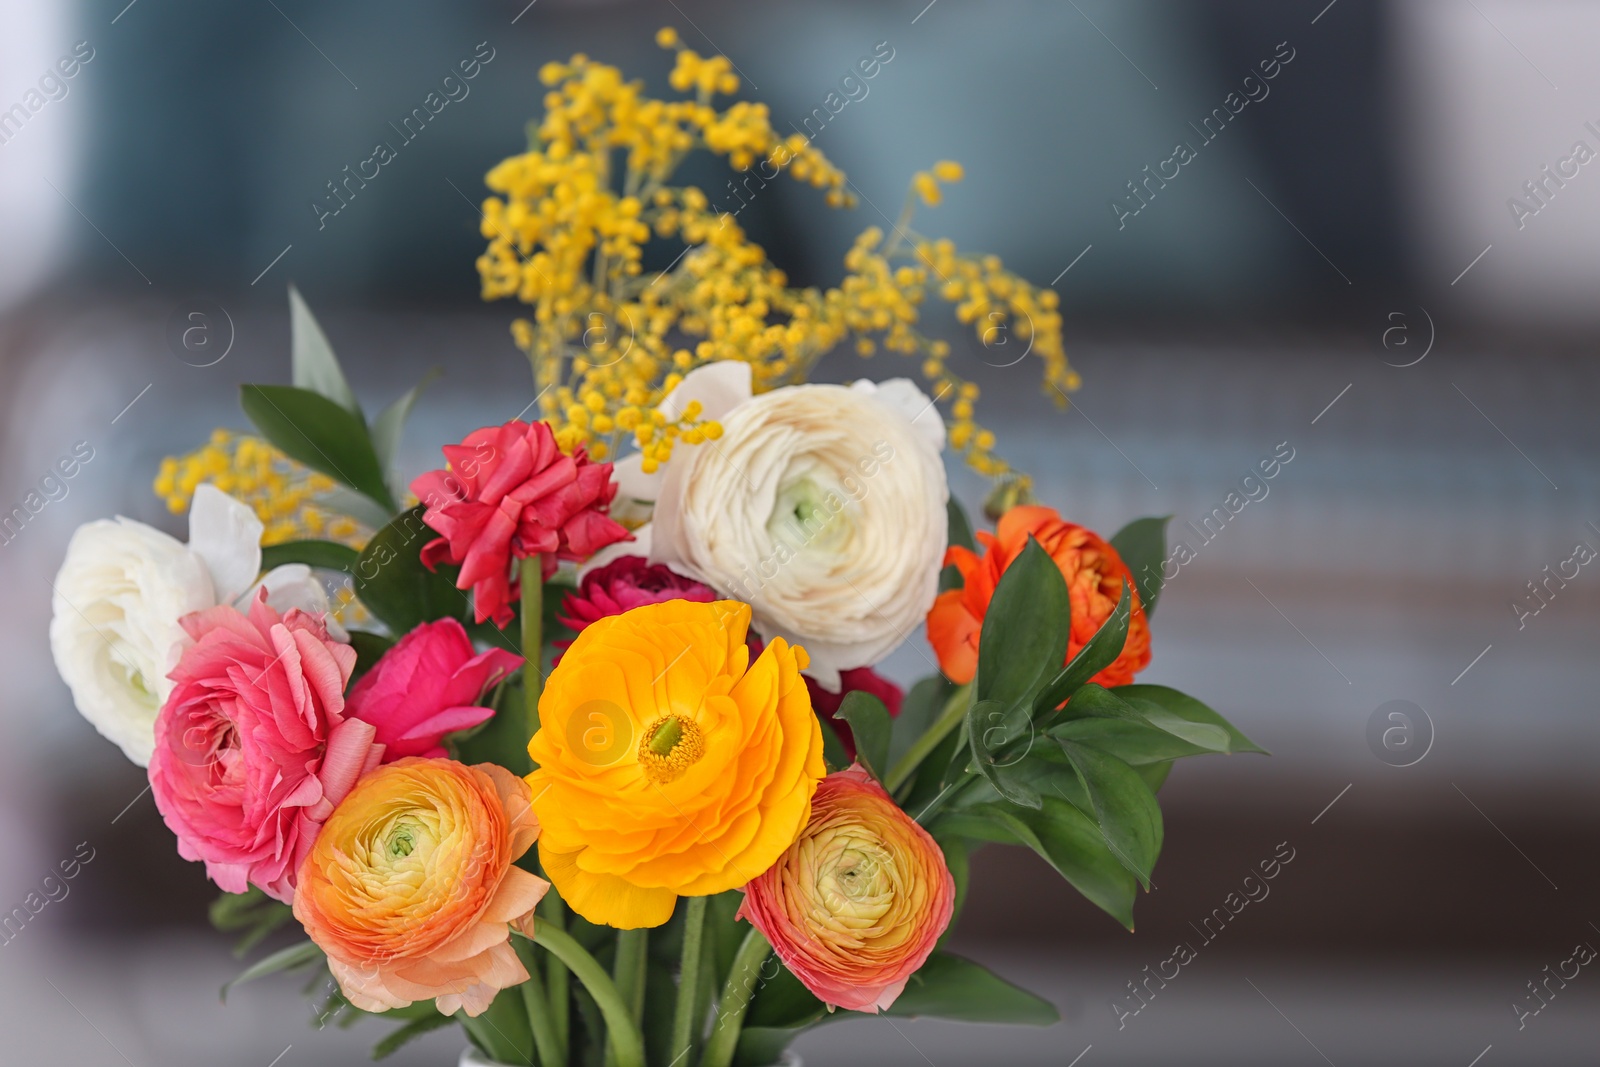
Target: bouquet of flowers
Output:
[(576, 741)]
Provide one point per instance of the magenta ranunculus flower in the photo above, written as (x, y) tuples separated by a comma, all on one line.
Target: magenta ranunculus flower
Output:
[(858, 902), (428, 685), (625, 583), (252, 748), (510, 493)]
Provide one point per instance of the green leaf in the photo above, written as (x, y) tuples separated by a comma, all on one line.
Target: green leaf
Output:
[(413, 1029), (1123, 806), (1098, 653), (950, 987), (301, 955), (1065, 838), (1154, 774), (782, 1002), (958, 858), (329, 555), (934, 775), (869, 724), (252, 911), (960, 530), (992, 728), (314, 366), (921, 706), (1024, 638), (394, 585), (833, 753), (310, 428), (1142, 544), (1187, 707), (386, 429), (1134, 743)]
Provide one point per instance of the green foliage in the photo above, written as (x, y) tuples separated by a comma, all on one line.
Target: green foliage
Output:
[(309, 427), (1142, 544), (1124, 807), (397, 1039), (1098, 653), (950, 987), (394, 585), (313, 366), (869, 725), (252, 911), (329, 555), (295, 956)]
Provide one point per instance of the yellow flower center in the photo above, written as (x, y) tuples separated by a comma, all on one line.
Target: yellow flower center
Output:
[(671, 745)]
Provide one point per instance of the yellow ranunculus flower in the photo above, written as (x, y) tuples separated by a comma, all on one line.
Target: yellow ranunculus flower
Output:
[(668, 763)]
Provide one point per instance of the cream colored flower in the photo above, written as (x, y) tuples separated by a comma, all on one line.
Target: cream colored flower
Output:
[(821, 506), (122, 589)]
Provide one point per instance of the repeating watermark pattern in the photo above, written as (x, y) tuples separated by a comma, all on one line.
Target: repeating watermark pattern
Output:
[(1141, 191), (1253, 488), (1400, 733), (200, 331), (455, 89), (1397, 338), (53, 486), (53, 889), (1252, 890), (1541, 990), (599, 732), (853, 84), (1542, 592), (54, 84), (1542, 190)]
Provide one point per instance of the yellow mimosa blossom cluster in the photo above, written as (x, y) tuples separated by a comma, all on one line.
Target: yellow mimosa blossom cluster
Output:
[(608, 341), (283, 494)]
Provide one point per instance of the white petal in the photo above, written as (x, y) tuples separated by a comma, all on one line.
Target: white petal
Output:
[(636, 490), (903, 395), (293, 585), (227, 536), (720, 387)]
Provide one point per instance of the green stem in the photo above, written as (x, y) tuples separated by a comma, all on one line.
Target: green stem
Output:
[(683, 1016), (952, 716), (556, 975), (622, 1032), (532, 638), (736, 994), (628, 972), (538, 1008)]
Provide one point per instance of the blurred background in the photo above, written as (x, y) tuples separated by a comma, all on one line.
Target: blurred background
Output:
[(1384, 264)]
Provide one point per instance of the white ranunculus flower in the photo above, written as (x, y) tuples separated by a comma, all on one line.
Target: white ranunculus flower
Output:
[(122, 589), (821, 506)]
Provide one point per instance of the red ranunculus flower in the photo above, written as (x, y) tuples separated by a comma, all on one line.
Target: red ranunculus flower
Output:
[(510, 493), (625, 583), (428, 685)]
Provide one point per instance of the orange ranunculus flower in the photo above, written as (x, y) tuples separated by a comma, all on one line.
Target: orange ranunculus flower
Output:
[(668, 762), (1094, 574), (854, 906), (411, 889)]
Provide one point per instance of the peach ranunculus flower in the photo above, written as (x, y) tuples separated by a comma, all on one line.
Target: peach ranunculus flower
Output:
[(1094, 573), (668, 762), (411, 888), (858, 902)]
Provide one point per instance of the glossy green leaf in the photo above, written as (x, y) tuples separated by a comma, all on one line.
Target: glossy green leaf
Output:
[(392, 582), (1025, 630), (1098, 653), (1142, 544), (1066, 838), (833, 753), (319, 433), (1124, 807), (1154, 774), (329, 555), (1134, 743), (950, 987), (997, 733), (391, 422), (302, 955), (869, 724), (1187, 707), (921, 707), (313, 364), (399, 1038)]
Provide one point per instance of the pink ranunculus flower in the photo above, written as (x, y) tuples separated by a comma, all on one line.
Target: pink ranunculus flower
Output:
[(510, 493), (253, 749), (625, 583), (858, 902), (428, 685)]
